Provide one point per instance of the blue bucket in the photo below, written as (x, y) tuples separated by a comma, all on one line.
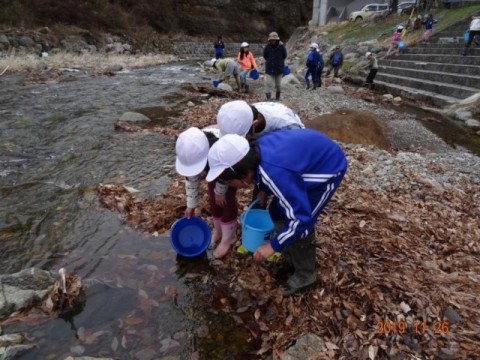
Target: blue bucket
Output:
[(257, 225), (466, 36), (215, 83), (254, 74), (401, 44), (286, 70), (190, 237)]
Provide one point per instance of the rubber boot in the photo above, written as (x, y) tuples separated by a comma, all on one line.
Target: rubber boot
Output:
[(269, 96), (228, 239), (465, 51), (217, 231), (242, 87), (247, 88), (302, 253), (277, 95), (308, 84), (314, 86)]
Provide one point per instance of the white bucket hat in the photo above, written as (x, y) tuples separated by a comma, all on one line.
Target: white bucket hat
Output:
[(226, 152), (192, 152), (314, 45), (235, 117), (244, 44), (273, 36)]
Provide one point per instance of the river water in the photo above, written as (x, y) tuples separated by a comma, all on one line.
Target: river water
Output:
[(57, 143)]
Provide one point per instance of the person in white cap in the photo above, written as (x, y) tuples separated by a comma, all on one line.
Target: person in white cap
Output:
[(302, 170), (252, 121), (247, 63), (313, 59), (192, 148), (373, 66), (274, 54), (227, 68), (396, 38)]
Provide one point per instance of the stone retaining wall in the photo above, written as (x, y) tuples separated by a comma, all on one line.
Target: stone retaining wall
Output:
[(203, 51)]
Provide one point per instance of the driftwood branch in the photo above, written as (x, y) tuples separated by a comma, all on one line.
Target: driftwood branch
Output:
[(3, 72)]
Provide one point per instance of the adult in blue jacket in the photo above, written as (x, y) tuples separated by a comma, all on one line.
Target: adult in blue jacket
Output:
[(274, 54), (302, 169)]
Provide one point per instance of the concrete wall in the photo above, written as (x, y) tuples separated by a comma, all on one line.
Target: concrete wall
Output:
[(325, 11)]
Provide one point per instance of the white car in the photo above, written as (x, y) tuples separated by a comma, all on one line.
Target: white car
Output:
[(404, 6), (369, 12)]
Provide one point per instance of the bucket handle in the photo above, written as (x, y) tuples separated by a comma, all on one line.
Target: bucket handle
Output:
[(248, 209)]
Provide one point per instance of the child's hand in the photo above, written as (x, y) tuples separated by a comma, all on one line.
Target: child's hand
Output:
[(220, 200), (263, 252), (189, 212)]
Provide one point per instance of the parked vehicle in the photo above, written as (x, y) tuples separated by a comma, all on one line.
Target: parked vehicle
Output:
[(405, 7), (369, 12)]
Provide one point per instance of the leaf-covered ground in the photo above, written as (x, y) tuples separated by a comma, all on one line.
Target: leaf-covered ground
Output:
[(398, 259)]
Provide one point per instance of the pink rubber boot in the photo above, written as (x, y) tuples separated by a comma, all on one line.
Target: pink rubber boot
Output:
[(228, 239)]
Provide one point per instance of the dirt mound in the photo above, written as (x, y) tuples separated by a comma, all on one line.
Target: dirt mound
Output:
[(352, 127)]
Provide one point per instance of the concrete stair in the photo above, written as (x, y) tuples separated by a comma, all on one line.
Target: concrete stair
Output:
[(436, 73)]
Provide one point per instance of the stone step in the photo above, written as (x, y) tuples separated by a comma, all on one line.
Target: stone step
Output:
[(467, 70), (444, 77), (473, 50), (454, 58), (444, 45), (452, 90), (414, 93)]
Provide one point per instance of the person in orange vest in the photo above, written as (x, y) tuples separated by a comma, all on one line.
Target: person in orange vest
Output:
[(247, 63)]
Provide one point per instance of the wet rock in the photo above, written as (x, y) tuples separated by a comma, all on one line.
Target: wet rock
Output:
[(14, 352), (452, 316), (26, 41), (305, 347), (134, 117), (21, 289), (472, 123), (11, 339)]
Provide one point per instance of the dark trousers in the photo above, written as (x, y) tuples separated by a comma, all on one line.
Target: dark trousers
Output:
[(371, 76), (319, 76), (471, 37)]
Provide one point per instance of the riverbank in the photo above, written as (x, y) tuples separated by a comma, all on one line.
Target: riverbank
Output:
[(397, 249)]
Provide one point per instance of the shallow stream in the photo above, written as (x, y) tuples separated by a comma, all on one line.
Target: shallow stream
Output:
[(57, 143)]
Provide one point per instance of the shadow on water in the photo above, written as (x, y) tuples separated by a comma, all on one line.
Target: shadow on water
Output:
[(453, 132)]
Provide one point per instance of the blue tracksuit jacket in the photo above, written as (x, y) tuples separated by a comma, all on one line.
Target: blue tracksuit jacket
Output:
[(302, 169)]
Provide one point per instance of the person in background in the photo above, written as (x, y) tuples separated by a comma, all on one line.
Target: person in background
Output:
[(313, 59), (428, 23), (396, 37), (219, 48), (321, 64), (226, 68), (474, 30), (234, 118), (335, 62), (247, 63), (192, 148), (301, 169), (373, 66), (274, 54)]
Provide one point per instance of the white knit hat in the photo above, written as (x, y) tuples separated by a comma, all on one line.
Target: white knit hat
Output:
[(235, 117), (314, 45), (226, 152), (192, 152), (244, 44)]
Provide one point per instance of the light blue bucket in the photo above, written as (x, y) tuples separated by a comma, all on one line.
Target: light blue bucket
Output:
[(257, 225)]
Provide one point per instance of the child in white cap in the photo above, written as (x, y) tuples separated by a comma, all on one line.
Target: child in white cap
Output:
[(301, 169), (238, 117), (192, 148)]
